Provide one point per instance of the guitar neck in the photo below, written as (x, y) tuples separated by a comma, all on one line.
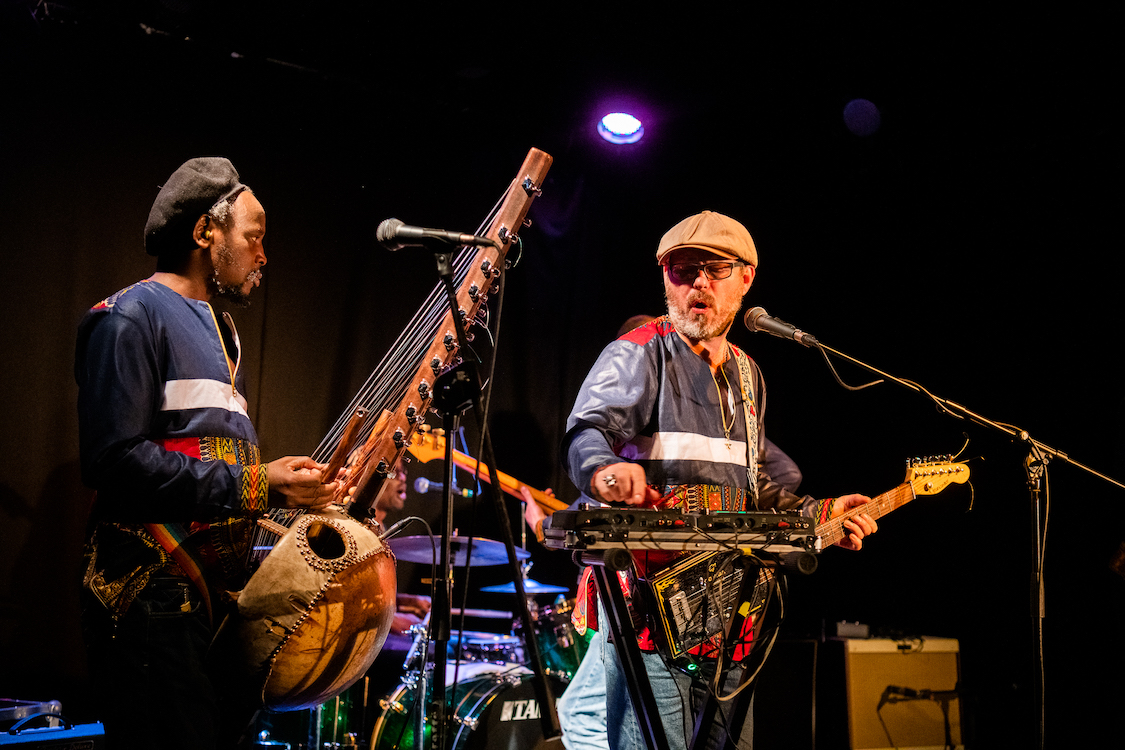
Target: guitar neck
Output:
[(509, 484), (832, 531)]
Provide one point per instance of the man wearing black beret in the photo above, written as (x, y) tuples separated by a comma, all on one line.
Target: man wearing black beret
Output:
[(166, 441)]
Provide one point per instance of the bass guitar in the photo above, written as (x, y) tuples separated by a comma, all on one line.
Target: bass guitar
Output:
[(427, 444)]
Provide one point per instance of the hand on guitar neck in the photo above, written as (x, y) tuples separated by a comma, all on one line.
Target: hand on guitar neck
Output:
[(533, 512), (857, 526)]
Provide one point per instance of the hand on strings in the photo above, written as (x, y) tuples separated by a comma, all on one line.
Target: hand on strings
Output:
[(297, 482), (857, 527), (622, 482)]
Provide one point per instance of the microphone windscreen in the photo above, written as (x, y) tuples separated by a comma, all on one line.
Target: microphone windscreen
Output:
[(386, 229), (750, 320)]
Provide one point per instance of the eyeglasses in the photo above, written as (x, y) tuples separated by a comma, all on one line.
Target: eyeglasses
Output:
[(687, 273)]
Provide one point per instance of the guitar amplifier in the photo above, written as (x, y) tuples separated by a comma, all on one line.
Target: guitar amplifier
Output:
[(900, 693)]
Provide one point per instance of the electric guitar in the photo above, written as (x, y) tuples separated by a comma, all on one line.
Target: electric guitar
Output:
[(697, 595)]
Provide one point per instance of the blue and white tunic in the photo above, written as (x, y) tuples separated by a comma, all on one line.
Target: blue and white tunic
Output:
[(164, 435)]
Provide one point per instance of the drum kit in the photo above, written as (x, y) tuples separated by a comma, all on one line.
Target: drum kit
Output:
[(488, 674)]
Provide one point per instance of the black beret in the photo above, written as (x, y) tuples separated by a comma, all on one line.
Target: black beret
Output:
[(190, 192)]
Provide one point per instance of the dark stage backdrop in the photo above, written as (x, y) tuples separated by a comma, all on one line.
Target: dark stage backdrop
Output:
[(970, 244)]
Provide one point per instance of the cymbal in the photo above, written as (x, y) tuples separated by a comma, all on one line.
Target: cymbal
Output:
[(420, 549), (530, 586)]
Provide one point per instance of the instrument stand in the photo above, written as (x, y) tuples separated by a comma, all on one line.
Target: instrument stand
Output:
[(443, 590), (456, 391), (625, 640), (1035, 464), (416, 660), (1039, 455)]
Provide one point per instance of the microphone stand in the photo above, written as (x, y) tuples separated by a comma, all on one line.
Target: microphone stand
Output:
[(1039, 455), (455, 392), (942, 697)]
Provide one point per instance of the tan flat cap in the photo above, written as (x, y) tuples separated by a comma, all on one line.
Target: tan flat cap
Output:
[(710, 231)]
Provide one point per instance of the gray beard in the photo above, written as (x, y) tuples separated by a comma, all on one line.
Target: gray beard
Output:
[(693, 326)]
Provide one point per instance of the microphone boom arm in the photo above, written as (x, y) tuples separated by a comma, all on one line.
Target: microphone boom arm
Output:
[(954, 409)]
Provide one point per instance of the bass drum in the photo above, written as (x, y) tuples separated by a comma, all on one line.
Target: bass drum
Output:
[(492, 711)]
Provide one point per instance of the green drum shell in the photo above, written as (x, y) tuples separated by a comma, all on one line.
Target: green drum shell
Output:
[(492, 711), (559, 644)]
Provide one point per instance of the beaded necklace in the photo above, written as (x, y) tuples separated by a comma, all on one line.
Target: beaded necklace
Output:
[(730, 402)]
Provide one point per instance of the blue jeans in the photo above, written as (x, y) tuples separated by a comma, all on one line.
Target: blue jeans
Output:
[(582, 706), (678, 697)]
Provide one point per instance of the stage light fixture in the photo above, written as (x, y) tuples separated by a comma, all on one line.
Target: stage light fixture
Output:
[(620, 127), (862, 117)]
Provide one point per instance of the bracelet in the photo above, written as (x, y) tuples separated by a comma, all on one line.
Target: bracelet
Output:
[(824, 509)]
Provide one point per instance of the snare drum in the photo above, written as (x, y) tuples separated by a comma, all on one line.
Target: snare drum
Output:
[(491, 648), (491, 711)]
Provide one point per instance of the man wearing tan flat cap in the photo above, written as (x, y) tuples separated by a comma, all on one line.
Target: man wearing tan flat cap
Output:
[(671, 416)]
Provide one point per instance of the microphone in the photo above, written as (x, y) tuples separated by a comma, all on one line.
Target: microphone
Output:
[(894, 694), (423, 485), (904, 692), (757, 319), (394, 235)]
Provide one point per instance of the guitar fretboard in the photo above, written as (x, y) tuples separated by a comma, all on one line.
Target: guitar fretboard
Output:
[(832, 530)]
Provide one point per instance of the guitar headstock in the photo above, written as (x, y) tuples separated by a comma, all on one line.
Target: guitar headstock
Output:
[(426, 444), (929, 476)]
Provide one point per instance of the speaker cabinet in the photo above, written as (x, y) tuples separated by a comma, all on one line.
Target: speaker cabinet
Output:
[(902, 694)]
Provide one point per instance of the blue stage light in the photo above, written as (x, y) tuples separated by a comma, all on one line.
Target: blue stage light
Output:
[(620, 127)]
